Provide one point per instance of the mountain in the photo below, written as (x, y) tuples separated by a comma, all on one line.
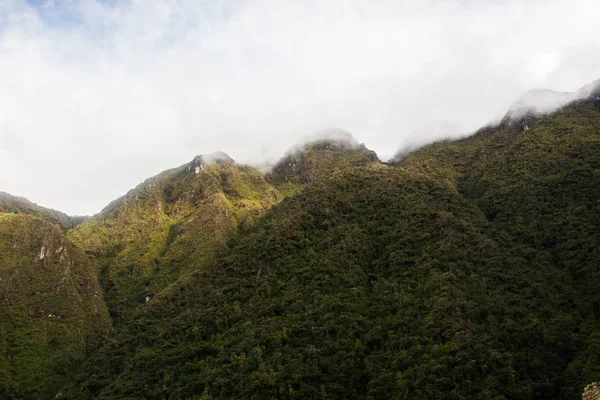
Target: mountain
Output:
[(176, 223), (466, 269), (170, 225), (52, 313), (173, 226), (356, 277)]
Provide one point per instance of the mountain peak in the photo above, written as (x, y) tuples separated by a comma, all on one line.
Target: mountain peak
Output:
[(327, 139), (202, 161), (320, 154), (538, 102)]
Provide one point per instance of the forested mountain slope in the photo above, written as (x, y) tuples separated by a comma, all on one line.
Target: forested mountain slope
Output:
[(52, 314), (373, 283), (170, 225), (466, 270), (540, 189)]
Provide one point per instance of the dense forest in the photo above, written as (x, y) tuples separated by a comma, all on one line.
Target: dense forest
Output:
[(468, 269)]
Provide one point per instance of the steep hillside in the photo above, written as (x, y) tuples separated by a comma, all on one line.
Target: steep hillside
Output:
[(51, 315), (170, 225)]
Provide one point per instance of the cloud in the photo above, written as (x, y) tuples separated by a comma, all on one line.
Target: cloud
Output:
[(98, 95)]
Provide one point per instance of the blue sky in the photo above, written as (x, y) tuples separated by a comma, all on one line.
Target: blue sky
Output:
[(59, 13), (97, 96)]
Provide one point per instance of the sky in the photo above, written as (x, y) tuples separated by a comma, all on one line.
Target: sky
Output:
[(96, 96)]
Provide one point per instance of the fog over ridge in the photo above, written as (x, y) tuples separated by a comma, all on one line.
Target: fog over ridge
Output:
[(99, 95)]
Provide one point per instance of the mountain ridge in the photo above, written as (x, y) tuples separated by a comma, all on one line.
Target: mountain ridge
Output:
[(15, 204)]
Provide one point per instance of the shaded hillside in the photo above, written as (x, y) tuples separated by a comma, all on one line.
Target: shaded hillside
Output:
[(51, 315), (540, 188)]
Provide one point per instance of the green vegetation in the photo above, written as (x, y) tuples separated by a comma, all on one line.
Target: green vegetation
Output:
[(466, 270), (52, 314), (170, 225), (373, 283), (539, 189), (318, 159)]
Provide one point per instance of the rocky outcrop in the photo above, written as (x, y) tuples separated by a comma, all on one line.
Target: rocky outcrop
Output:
[(592, 391)]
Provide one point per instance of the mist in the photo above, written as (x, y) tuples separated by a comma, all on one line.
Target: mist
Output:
[(99, 95)]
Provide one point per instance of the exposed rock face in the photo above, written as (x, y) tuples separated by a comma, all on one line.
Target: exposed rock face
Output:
[(199, 163), (592, 391), (196, 165)]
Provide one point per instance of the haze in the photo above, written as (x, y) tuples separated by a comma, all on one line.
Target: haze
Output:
[(96, 96)]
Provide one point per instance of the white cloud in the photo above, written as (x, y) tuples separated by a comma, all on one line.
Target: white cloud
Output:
[(96, 96)]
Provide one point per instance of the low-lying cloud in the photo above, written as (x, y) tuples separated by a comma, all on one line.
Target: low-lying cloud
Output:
[(98, 95)]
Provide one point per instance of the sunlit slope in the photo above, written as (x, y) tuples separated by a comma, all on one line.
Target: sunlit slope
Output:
[(171, 225)]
